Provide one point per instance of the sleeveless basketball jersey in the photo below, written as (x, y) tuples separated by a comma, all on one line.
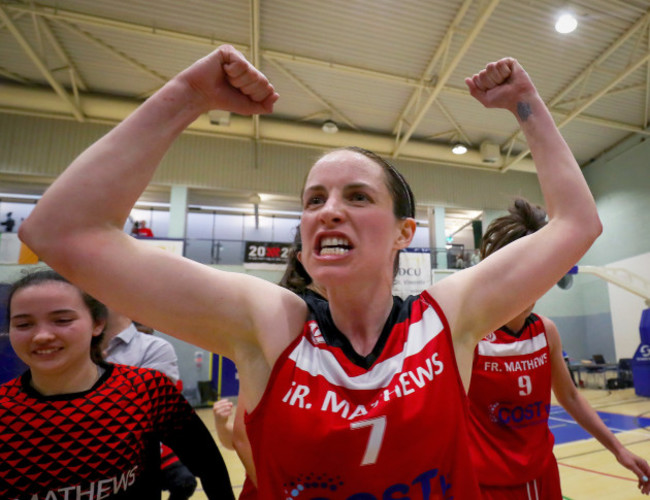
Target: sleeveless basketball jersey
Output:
[(509, 399), (392, 425), (248, 490)]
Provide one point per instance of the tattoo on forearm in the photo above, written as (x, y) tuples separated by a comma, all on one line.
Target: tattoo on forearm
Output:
[(524, 111)]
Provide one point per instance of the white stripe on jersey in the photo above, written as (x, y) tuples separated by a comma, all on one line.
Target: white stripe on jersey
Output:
[(534, 490), (322, 362), (518, 348)]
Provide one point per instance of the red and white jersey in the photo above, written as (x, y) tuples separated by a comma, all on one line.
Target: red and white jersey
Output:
[(248, 490), (390, 425), (509, 398)]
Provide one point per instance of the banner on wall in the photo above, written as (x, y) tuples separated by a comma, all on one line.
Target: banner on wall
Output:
[(266, 255), (14, 251), (225, 379), (414, 273)]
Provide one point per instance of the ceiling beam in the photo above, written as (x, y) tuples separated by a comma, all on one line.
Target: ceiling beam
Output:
[(331, 108), (105, 22), (31, 53), (585, 73), (570, 116), (113, 51), (428, 74), (255, 53), (618, 90), (603, 122), (446, 73), (41, 102), (582, 78), (12, 76), (78, 18), (75, 77), (462, 136), (344, 68)]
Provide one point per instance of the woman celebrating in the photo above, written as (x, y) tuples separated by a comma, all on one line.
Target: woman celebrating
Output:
[(74, 427), (515, 368), (360, 397)]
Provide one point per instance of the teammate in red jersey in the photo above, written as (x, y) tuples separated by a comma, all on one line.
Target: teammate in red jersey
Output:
[(73, 427), (335, 378), (515, 368)]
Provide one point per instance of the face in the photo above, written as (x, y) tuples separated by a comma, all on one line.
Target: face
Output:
[(51, 328), (348, 227)]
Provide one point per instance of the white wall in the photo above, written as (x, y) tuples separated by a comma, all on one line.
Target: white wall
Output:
[(627, 307)]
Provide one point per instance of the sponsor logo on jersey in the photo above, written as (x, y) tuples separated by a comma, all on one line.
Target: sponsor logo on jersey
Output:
[(426, 486), (514, 415), (316, 335), (490, 337)]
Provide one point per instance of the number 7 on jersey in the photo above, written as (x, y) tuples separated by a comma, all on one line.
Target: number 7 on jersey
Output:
[(377, 431)]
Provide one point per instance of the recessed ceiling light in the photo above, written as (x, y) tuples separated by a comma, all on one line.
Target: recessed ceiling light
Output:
[(459, 149), (566, 23), (330, 127)]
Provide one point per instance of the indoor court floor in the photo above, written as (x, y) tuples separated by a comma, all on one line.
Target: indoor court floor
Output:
[(588, 471)]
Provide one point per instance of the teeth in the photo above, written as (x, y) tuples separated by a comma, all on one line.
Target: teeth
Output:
[(334, 251), (46, 351), (334, 242)]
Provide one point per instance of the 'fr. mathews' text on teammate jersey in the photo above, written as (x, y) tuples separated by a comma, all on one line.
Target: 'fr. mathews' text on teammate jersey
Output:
[(510, 396)]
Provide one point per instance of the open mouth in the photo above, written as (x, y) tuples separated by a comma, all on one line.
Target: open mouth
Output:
[(45, 352), (334, 246)]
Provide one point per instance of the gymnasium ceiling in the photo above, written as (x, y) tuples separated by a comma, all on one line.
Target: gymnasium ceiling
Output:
[(389, 73)]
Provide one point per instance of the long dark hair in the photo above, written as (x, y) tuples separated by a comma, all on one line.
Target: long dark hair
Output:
[(97, 310), (523, 219), (295, 277)]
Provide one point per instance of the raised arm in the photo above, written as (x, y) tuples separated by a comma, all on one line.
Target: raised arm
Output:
[(77, 225), (578, 407), (484, 297)]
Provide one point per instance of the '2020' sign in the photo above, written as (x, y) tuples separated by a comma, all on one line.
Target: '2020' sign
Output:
[(266, 252)]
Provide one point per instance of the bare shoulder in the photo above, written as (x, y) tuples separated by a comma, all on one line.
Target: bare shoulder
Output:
[(549, 325), (279, 319), (451, 295), (279, 316), (552, 334)]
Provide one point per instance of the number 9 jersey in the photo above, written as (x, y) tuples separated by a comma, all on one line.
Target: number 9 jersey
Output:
[(509, 398), (336, 425)]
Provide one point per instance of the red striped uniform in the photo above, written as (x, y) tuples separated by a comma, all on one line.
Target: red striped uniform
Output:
[(248, 490), (391, 425), (510, 396)]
